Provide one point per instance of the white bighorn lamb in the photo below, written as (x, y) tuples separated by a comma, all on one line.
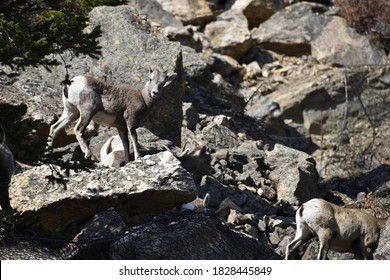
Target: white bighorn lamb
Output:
[(337, 228), (112, 153), (197, 203), (120, 106)]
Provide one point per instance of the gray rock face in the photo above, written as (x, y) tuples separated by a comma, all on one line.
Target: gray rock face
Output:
[(330, 46), (210, 240), (224, 65), (149, 185), (106, 237), (155, 13), (27, 250), (91, 242), (194, 66), (305, 94), (304, 28), (258, 11), (188, 11), (291, 30), (293, 174), (229, 34), (302, 100)]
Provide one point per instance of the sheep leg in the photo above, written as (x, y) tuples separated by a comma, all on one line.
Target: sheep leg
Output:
[(324, 236), (134, 141), (301, 237), (79, 131), (94, 127), (291, 247), (367, 247), (66, 118), (368, 253), (124, 135)]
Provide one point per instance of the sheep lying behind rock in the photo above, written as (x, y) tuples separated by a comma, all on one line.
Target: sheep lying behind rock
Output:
[(112, 153), (197, 161), (197, 203)]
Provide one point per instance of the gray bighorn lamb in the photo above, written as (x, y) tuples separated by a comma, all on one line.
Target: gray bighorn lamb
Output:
[(196, 160), (337, 228), (120, 106)]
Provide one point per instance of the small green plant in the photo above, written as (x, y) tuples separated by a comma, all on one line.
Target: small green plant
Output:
[(31, 31)]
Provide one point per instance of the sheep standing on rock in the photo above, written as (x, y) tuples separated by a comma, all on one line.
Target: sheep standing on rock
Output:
[(337, 228), (120, 106)]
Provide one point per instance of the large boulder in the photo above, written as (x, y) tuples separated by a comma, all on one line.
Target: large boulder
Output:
[(330, 46), (323, 90), (291, 30), (141, 188), (258, 11), (305, 28), (293, 175), (211, 239), (91, 241), (189, 11), (230, 34), (165, 237), (155, 12), (310, 100), (27, 250)]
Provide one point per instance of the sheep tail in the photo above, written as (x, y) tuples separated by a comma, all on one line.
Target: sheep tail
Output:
[(300, 211), (66, 91)]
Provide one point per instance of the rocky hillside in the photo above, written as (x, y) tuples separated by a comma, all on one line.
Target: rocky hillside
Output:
[(290, 101)]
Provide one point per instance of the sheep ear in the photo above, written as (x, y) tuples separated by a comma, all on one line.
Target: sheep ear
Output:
[(170, 79), (150, 69)]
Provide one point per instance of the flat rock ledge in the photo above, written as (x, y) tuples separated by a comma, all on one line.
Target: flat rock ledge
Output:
[(143, 187)]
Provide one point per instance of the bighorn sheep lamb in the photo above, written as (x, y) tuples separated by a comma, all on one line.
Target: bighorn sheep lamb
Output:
[(112, 153), (337, 228), (120, 106), (197, 203), (197, 161)]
